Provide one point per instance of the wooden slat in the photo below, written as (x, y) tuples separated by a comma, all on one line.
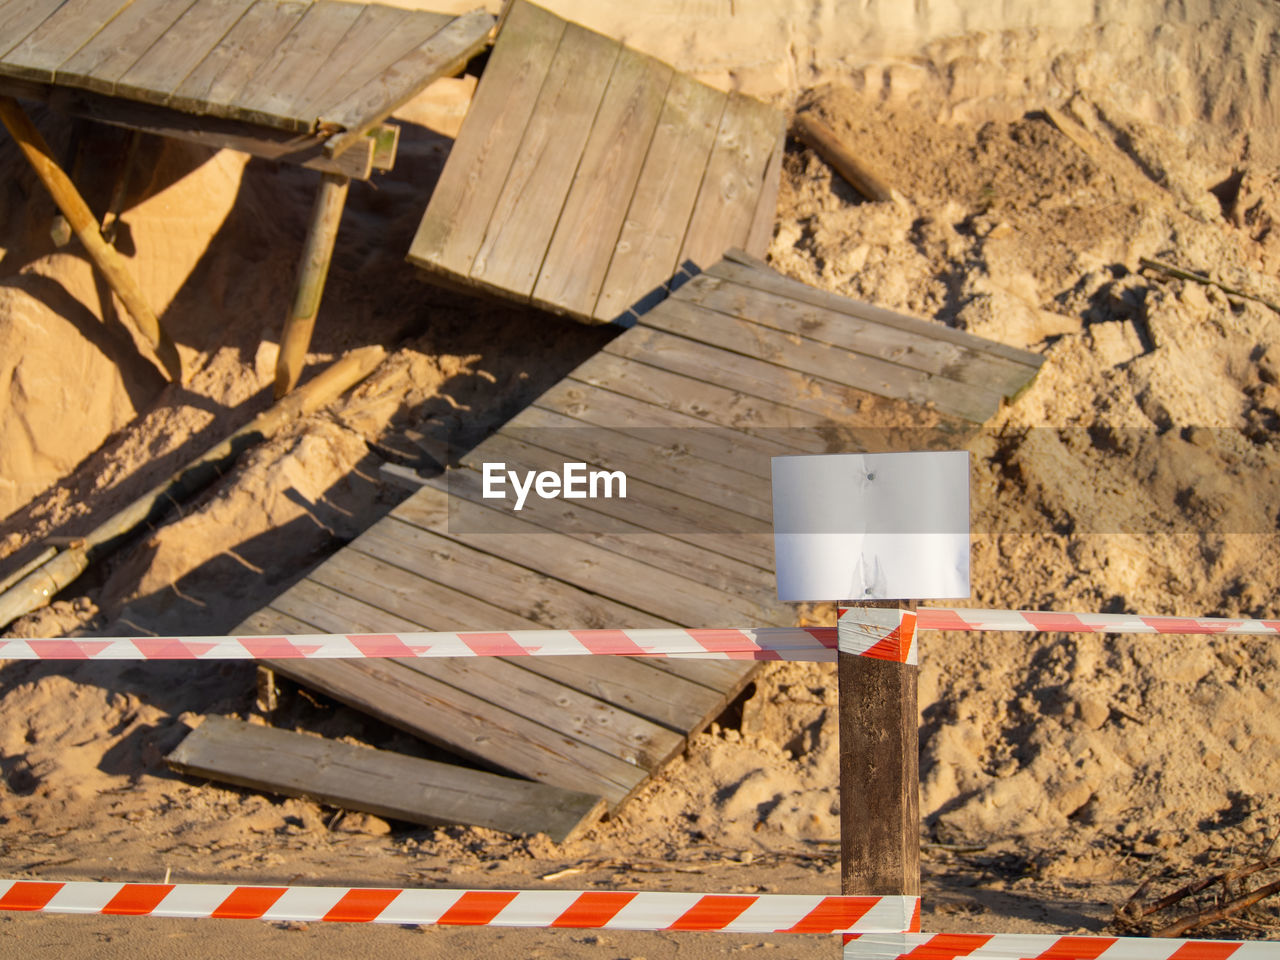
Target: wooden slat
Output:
[(883, 378), (772, 300), (211, 87), (379, 782), (18, 18), (648, 247), (579, 253), (454, 225), (950, 361), (760, 233), (603, 408), (587, 719), (40, 52), (733, 181), (281, 80), (665, 462), (530, 595), (527, 210), (160, 70), (442, 54), (656, 509), (118, 45), (585, 565), (719, 566), (724, 406), (440, 712), (856, 308)]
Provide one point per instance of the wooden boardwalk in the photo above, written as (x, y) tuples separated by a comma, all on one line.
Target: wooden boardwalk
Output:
[(284, 77), (738, 366), (586, 173)]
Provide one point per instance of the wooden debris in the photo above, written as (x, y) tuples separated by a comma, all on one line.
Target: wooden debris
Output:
[(824, 141), (380, 782), (1190, 275)]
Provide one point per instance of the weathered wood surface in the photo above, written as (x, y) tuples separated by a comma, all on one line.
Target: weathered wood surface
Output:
[(327, 67), (586, 173), (379, 782), (691, 403)]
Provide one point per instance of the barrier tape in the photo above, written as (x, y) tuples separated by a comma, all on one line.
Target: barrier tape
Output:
[(1022, 946), (600, 910), (886, 634)]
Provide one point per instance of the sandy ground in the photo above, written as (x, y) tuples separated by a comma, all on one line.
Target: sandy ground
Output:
[(1137, 474)]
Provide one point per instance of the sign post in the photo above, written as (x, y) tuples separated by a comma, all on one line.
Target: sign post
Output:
[(882, 531)]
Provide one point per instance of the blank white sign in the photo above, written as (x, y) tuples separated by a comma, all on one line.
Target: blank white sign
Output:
[(872, 526)]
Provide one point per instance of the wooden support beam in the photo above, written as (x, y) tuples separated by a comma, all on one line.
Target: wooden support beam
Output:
[(85, 226), (312, 270), (879, 772), (820, 138)]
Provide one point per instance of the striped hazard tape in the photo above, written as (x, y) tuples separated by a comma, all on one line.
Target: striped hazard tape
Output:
[(602, 909), (1022, 946), (887, 634)]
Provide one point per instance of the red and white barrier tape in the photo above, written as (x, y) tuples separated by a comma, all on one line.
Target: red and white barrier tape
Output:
[(887, 634), (1021, 946), (598, 909)]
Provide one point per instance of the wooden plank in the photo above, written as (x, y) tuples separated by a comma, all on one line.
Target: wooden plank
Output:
[(719, 566), (668, 462), (573, 561), (211, 87), (950, 361), (655, 509), (734, 179), (648, 247), (760, 233), (406, 594), (18, 18), (587, 719), (799, 353), (856, 308), (528, 208), (215, 132), (466, 725), (726, 677), (272, 93), (119, 44), (442, 54), (37, 54), (441, 712), (159, 71), (379, 782), (713, 404), (603, 408), (453, 226), (831, 394), (578, 256), (456, 564)]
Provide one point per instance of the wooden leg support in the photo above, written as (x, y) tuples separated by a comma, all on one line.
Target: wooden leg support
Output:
[(85, 227), (314, 267), (879, 776), (266, 699)]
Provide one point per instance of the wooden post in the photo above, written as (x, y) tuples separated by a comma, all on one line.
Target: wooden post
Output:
[(312, 270), (85, 226), (816, 135), (879, 771)]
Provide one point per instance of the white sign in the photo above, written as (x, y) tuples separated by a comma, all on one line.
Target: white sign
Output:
[(871, 526)]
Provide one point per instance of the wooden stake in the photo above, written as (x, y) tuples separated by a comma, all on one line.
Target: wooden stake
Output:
[(815, 134), (879, 772), (312, 270), (82, 222)]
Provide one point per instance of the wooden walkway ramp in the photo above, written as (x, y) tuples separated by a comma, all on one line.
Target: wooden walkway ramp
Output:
[(691, 403), (586, 173)]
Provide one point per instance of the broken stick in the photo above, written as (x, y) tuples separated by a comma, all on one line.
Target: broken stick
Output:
[(1179, 273)]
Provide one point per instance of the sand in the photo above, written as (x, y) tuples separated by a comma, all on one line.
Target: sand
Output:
[(1137, 474)]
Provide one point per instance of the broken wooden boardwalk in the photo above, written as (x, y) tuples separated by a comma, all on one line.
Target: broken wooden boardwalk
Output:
[(738, 366), (586, 173)]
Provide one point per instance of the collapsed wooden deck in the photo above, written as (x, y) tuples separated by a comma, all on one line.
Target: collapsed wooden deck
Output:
[(586, 173), (736, 367)]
